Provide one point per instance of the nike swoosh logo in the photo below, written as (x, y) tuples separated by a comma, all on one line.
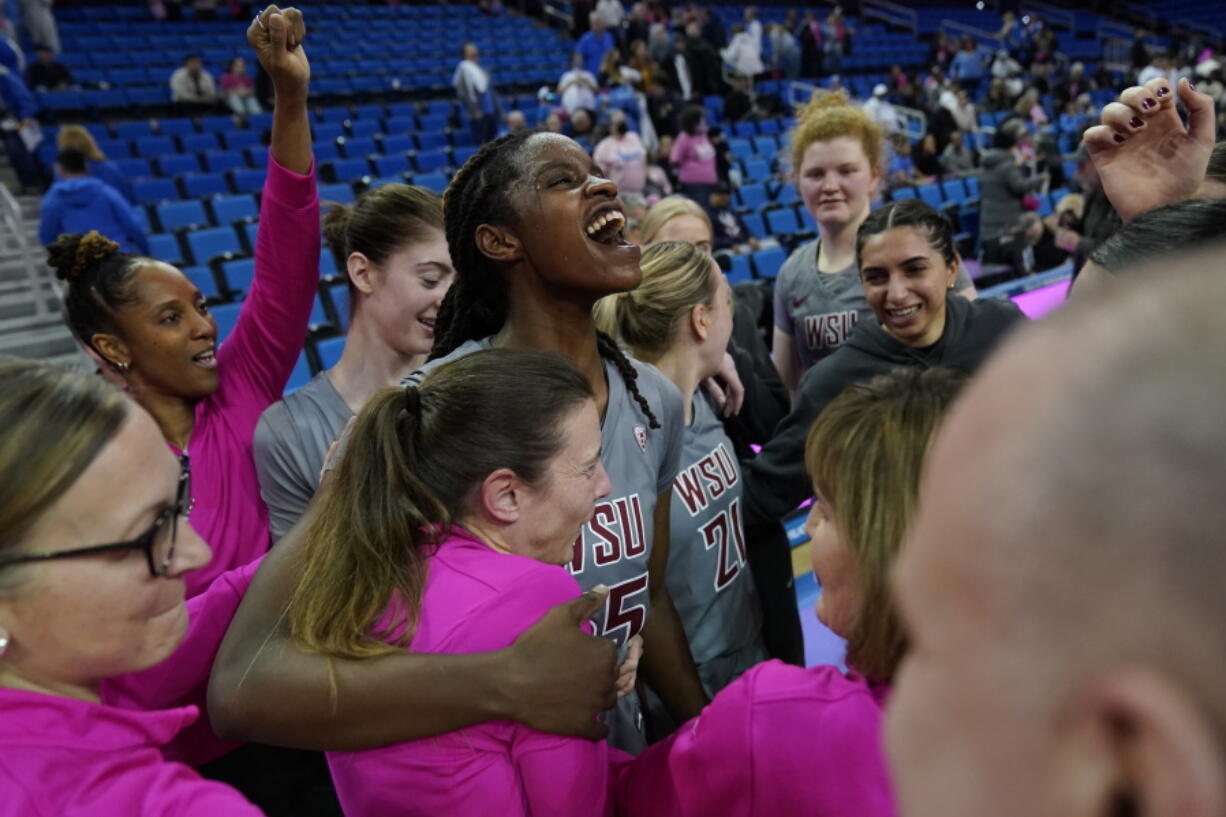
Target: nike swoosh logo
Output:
[(796, 302)]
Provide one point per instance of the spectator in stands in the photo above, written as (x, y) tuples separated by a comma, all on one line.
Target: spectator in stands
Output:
[(693, 155), (999, 97), (612, 12), (636, 26), (581, 126), (577, 87), (46, 73), (238, 89), (622, 155), (727, 227), (11, 55), (927, 158), (1029, 108), (901, 170), (864, 454), (640, 60), (392, 248), (967, 67), (659, 185), (1098, 219), (192, 85), (738, 104), (942, 51), (958, 159), (150, 325), (40, 23), (18, 123), (1160, 65), (659, 45), (1074, 86), (476, 92), (965, 115), (1140, 51), (785, 52), (553, 123), (706, 68), (78, 138), (1013, 34), (515, 121), (836, 36), (744, 53), (1003, 186), (881, 111), (1071, 120), (1005, 67), (811, 38), (78, 203), (595, 43)]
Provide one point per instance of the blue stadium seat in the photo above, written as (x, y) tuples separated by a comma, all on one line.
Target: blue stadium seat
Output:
[(260, 122), (765, 145), (176, 127), (339, 295), (350, 170), (327, 263), (359, 147), (972, 186), (138, 129), (744, 130), (340, 193), (300, 376), (326, 152), (165, 247), (428, 161), (752, 196), (954, 191), (900, 193), (226, 316), (334, 116), (250, 231), (238, 276), (257, 156), (755, 224), (248, 181), (365, 127), (178, 163), (368, 112), (229, 209), (768, 261), (198, 142), (782, 221), (329, 131), (461, 154), (400, 124), (769, 127), (238, 139), (1045, 204), (393, 164), (329, 351), (757, 170), (741, 269), (319, 315), (437, 182), (219, 161), (115, 148), (808, 224), (205, 245), (220, 123), (431, 140), (786, 195), (154, 146), (931, 195), (134, 168), (740, 148), (203, 278), (198, 185), (432, 122), (151, 191)]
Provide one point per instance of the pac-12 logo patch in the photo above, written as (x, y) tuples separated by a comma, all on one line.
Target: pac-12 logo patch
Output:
[(640, 436)]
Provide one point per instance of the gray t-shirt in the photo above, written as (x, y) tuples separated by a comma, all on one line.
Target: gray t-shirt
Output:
[(819, 309), (641, 462), (708, 575), (290, 443)]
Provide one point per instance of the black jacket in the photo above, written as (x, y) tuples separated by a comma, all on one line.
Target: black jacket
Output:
[(775, 481)]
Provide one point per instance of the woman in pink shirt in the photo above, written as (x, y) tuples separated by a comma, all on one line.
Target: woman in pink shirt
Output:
[(693, 155), (622, 156), (148, 322), (82, 466), (786, 740), (445, 529)]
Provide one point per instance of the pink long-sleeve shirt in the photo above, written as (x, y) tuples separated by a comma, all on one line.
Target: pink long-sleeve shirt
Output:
[(778, 740), (694, 159), (64, 757), (254, 363), (477, 599)]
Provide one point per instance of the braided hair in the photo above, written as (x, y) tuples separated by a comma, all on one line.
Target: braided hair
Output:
[(476, 305), (101, 280)]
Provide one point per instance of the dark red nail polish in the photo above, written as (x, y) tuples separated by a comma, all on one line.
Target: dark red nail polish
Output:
[(1148, 103), (1118, 138), (1135, 122), (1163, 91), (1192, 85)]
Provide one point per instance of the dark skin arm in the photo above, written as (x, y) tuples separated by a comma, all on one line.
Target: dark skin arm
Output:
[(667, 665), (276, 36), (554, 678)]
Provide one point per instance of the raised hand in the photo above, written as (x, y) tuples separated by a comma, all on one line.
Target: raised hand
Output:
[(1144, 155), (276, 35)]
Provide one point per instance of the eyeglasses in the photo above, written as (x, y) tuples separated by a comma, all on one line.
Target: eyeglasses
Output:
[(158, 542)]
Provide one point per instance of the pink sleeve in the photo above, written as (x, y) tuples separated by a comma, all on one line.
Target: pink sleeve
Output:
[(676, 156), (255, 361), (560, 776), (605, 155)]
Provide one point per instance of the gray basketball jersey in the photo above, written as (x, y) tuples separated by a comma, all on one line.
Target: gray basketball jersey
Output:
[(818, 309), (708, 575), (290, 443), (616, 543)]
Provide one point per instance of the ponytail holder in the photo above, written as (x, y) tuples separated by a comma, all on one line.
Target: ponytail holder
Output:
[(412, 400)]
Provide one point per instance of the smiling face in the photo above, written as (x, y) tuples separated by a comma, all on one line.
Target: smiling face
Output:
[(167, 337), (569, 221), (75, 621), (408, 291), (906, 282), (837, 182), (554, 511)]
